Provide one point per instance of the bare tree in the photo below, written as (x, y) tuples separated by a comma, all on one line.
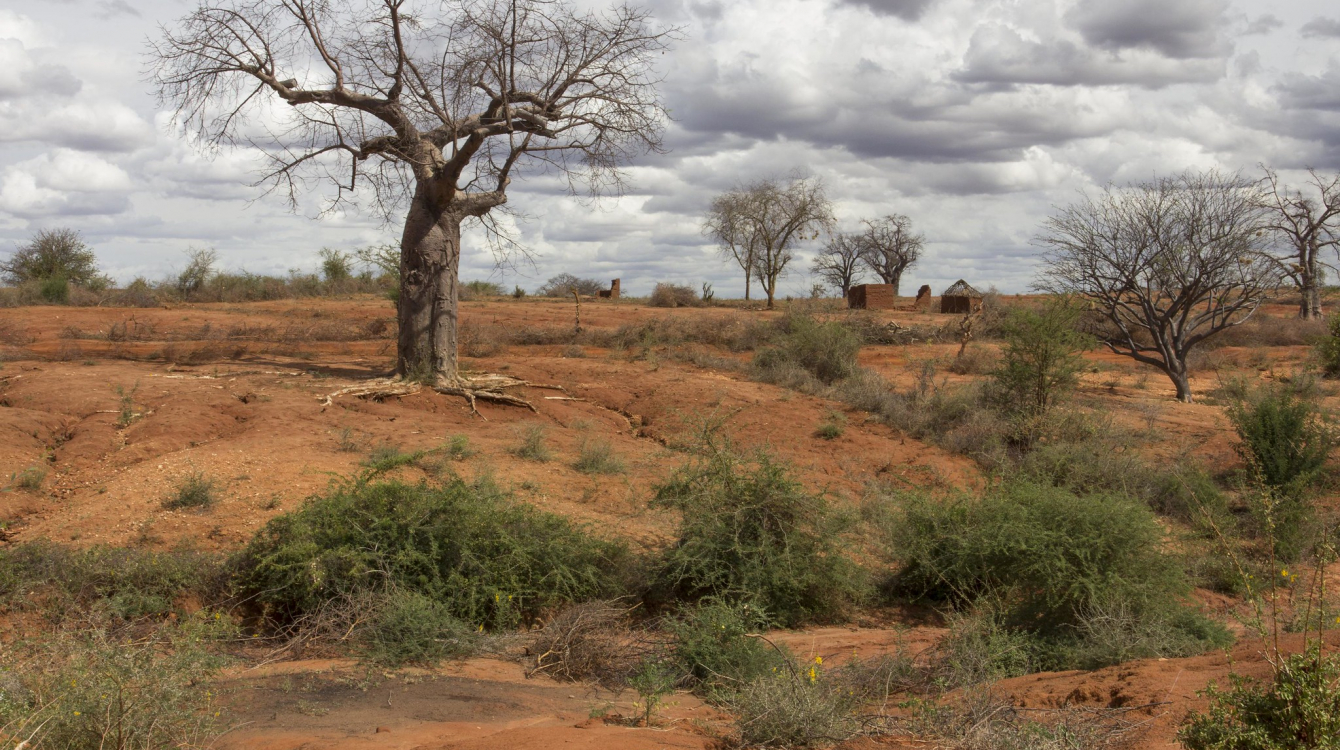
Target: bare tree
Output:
[(763, 222), (1308, 223), (431, 103), (1164, 264), (726, 224), (889, 247), (839, 263)]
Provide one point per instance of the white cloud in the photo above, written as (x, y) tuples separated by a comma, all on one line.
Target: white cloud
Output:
[(64, 183)]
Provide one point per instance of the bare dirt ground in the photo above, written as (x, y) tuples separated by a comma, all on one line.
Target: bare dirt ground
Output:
[(117, 406)]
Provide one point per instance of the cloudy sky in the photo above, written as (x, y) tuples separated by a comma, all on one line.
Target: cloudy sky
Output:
[(973, 117)]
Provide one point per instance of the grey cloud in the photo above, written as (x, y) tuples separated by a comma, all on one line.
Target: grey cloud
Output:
[(908, 10), (1263, 25), (1320, 27), (998, 55), (1312, 92), (113, 8), (1179, 29)]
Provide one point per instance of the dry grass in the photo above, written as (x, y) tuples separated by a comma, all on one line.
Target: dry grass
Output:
[(592, 642)]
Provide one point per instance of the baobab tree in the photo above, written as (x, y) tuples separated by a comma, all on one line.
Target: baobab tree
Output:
[(1164, 264), (839, 262), (766, 220), (433, 105), (1306, 223), (888, 247)]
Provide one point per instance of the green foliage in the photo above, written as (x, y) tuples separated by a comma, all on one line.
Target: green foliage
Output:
[(714, 647), (1328, 348), (1049, 562), (797, 706), (488, 560), (30, 479), (1285, 433), (53, 254), (1041, 357), (410, 628), (653, 680), (518, 292), (481, 289), (827, 351), (195, 490), (88, 690), (564, 284), (832, 427), (54, 289), (385, 457), (458, 448), (1299, 709), (336, 266), (198, 272), (596, 457), (751, 533), (122, 583)]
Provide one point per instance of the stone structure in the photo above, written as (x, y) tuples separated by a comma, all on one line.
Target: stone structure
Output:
[(923, 298), (612, 292), (960, 298), (871, 297)]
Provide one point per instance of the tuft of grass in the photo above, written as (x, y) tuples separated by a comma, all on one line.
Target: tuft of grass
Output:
[(127, 415), (832, 427), (194, 490), (823, 351), (596, 457), (531, 446), (385, 457), (458, 448), (30, 479)]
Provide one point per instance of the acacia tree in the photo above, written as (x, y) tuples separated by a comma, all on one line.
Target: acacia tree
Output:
[(1308, 223), (53, 253), (434, 104), (1164, 264), (765, 220), (726, 224), (888, 247), (839, 263)]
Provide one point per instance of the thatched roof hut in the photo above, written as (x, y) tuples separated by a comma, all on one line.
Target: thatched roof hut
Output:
[(960, 298)]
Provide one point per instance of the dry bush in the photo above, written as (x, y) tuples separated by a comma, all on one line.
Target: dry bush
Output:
[(478, 340), (592, 642), (974, 360), (673, 295), (982, 721), (183, 354), (1264, 330), (13, 335)]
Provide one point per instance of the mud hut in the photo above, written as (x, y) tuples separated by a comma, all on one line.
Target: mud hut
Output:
[(871, 297), (960, 298)]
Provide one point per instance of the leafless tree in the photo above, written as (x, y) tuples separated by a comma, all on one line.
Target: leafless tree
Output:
[(889, 247), (1164, 264), (839, 263), (434, 104), (763, 221), (1306, 223), (725, 223)]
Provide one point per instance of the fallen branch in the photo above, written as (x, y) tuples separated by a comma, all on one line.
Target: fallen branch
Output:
[(487, 387)]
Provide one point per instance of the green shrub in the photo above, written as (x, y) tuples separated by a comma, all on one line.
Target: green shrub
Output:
[(409, 628), (1049, 560), (30, 479), (653, 680), (1041, 357), (337, 267), (827, 351), (1328, 348), (386, 457), (488, 560), (797, 706), (195, 490), (1285, 433), (832, 427), (751, 533), (1299, 709), (124, 583), (714, 647), (477, 288), (88, 690), (458, 448), (597, 458), (54, 290)]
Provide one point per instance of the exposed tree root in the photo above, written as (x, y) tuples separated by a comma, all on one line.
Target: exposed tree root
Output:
[(487, 387)]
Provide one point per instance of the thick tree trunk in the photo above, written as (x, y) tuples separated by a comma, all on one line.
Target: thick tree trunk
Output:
[(1183, 385), (430, 254), (896, 281), (1309, 288)]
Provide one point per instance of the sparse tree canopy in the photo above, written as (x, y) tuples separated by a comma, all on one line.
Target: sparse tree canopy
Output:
[(1165, 264), (888, 246), (759, 225), (839, 263), (435, 104), (564, 284), (53, 254), (1305, 224)]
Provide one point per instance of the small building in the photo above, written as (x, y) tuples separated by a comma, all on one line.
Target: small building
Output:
[(611, 293), (871, 297), (960, 298)]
